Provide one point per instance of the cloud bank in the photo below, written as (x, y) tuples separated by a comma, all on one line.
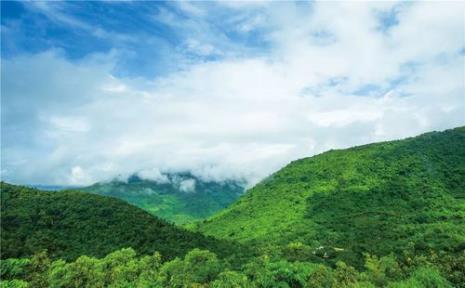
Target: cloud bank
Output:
[(331, 75)]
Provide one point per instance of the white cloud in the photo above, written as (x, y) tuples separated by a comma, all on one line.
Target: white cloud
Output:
[(78, 176), (75, 123), (155, 175), (190, 8), (187, 185), (202, 49), (68, 124)]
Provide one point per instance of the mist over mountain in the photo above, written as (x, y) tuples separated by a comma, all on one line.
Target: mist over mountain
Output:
[(232, 144), (177, 197), (387, 214), (52, 187)]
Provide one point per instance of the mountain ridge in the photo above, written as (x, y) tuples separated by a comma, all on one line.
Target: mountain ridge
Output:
[(422, 177), (73, 223)]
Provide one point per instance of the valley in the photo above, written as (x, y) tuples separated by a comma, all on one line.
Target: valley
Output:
[(177, 197), (387, 214)]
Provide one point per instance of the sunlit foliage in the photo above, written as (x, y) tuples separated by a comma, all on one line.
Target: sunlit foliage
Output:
[(202, 268)]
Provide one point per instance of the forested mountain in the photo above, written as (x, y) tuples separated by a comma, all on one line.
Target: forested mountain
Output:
[(177, 197), (391, 197), (389, 214), (70, 223)]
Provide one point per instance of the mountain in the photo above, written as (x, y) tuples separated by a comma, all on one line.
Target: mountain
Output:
[(390, 197), (71, 223), (177, 197), (393, 212)]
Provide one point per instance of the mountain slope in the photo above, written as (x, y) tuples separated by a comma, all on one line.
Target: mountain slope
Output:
[(179, 198), (378, 198), (70, 223)]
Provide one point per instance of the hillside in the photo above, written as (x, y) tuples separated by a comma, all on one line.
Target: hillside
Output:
[(70, 223), (399, 196), (180, 197)]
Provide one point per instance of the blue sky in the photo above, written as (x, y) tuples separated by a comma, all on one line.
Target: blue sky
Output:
[(97, 90), (150, 38)]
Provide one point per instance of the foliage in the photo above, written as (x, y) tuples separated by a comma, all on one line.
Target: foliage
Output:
[(14, 268), (38, 266), (231, 279), (202, 268), (13, 284), (69, 224), (423, 277), (198, 267), (297, 251), (379, 270), (167, 200), (382, 198), (382, 215)]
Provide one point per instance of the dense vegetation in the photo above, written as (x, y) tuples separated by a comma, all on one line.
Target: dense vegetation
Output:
[(69, 224), (397, 197), (201, 268), (169, 199), (389, 214)]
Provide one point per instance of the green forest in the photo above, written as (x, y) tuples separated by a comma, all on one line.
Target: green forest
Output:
[(388, 214), (166, 199)]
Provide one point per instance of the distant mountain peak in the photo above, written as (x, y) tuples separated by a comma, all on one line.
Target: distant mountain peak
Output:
[(175, 196)]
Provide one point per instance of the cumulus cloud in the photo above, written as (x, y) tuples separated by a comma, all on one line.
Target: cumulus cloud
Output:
[(328, 82)]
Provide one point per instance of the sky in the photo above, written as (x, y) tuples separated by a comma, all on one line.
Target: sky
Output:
[(92, 91)]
